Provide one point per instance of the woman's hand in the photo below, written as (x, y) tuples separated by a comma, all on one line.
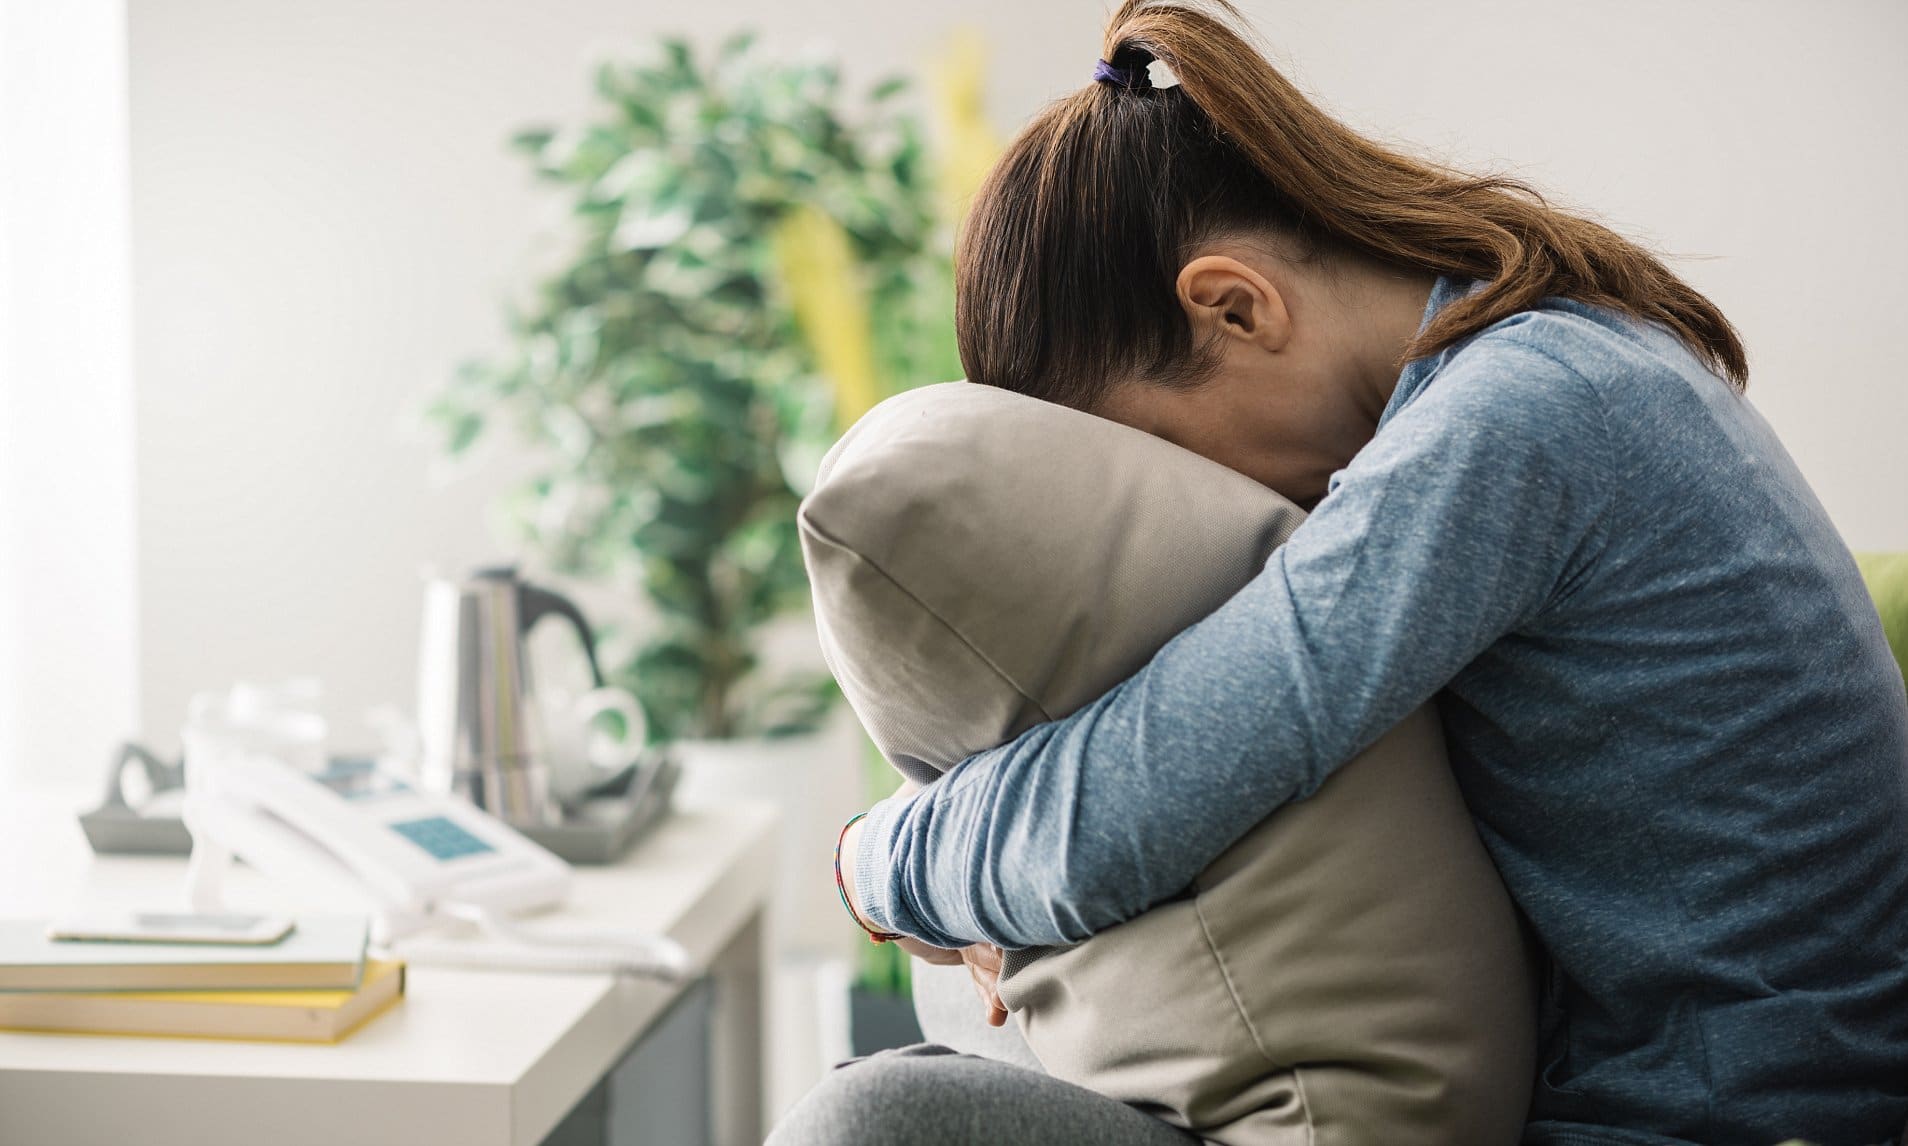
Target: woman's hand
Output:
[(981, 959), (983, 966), (939, 956)]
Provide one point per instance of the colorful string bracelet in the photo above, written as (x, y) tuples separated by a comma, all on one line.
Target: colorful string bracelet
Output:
[(841, 888)]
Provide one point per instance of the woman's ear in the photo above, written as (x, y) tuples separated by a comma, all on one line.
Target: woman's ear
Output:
[(1226, 297)]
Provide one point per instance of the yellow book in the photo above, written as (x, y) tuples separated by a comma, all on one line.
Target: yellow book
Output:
[(280, 1016)]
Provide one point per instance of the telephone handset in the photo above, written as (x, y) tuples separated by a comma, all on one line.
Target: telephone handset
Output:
[(413, 853), (419, 858)]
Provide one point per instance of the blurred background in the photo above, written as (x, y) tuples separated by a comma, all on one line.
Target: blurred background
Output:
[(301, 299)]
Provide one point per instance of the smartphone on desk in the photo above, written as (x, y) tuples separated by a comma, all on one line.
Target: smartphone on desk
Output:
[(226, 928)]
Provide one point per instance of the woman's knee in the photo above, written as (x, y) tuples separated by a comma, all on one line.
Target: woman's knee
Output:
[(931, 1096), (876, 1099), (895, 1096)]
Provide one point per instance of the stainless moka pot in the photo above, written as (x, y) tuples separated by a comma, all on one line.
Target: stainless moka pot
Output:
[(480, 730)]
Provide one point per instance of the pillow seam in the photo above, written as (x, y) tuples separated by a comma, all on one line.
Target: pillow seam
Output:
[(1245, 1017), (816, 531), (1232, 990)]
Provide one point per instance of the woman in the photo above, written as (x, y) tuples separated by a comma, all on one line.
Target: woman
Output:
[(1540, 497)]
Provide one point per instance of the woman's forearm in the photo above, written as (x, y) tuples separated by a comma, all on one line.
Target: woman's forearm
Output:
[(1452, 529), (1086, 822), (849, 847)]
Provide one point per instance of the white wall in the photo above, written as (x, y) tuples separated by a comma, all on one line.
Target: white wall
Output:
[(68, 680), (326, 220)]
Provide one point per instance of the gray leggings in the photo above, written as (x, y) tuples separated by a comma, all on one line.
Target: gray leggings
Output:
[(928, 1095)]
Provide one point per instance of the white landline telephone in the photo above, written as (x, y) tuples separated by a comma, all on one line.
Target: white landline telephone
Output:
[(259, 788)]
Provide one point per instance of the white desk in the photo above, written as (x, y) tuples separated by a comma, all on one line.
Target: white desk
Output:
[(475, 1058)]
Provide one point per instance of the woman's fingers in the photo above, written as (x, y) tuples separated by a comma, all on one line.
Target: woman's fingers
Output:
[(983, 966), (997, 1015), (940, 956)]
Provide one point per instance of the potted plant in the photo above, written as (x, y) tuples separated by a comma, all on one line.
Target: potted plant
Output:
[(753, 259)]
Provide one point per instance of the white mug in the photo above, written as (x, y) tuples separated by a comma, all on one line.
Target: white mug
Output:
[(577, 749)]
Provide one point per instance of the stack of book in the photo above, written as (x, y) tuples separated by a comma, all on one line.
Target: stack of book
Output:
[(313, 985)]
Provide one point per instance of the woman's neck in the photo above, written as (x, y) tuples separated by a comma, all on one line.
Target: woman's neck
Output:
[(1388, 306)]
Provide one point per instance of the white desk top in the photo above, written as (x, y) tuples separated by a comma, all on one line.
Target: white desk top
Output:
[(487, 1057)]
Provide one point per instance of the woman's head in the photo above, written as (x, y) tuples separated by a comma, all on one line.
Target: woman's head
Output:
[(1222, 252)]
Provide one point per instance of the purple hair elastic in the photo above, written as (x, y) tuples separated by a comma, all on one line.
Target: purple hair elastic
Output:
[(1132, 79)]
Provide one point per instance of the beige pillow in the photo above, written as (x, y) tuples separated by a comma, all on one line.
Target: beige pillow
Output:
[(1350, 972)]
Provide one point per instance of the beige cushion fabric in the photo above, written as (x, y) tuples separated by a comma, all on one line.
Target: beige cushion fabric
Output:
[(1352, 971)]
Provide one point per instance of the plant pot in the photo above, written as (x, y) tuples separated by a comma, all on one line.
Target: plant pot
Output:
[(815, 780), (880, 1020)]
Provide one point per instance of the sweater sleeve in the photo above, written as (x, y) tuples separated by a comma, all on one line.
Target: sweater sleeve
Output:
[(1466, 515)]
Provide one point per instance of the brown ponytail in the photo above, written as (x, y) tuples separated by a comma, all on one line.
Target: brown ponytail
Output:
[(1068, 258)]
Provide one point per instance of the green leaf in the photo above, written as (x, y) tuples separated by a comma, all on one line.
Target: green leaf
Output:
[(532, 140), (736, 45), (464, 431)]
